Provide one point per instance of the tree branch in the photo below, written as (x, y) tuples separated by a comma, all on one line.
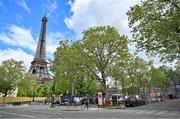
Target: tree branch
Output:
[(173, 4)]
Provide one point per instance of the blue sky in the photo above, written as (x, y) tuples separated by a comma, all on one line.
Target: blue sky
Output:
[(20, 23)]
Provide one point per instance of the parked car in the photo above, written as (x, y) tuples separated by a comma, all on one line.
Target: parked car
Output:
[(131, 101), (135, 100), (92, 100), (61, 102), (117, 98)]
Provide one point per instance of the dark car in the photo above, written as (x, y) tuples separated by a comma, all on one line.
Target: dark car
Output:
[(61, 102), (140, 101), (131, 101), (92, 100)]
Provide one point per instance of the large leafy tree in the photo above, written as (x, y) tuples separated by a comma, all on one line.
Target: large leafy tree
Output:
[(69, 74), (89, 58), (156, 27), (101, 47), (138, 73), (11, 72), (65, 67), (119, 73)]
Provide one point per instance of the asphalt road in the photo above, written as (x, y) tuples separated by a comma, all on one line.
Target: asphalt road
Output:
[(167, 109)]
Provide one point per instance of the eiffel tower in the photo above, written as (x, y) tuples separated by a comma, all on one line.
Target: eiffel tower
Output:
[(39, 64)]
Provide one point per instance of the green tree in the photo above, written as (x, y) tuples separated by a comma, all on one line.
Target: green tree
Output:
[(26, 85), (65, 67), (43, 90), (101, 47), (84, 86), (90, 57), (158, 78), (137, 71), (119, 73), (11, 72), (177, 69), (156, 27)]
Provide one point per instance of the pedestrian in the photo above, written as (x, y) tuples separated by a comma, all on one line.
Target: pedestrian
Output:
[(83, 103), (86, 102)]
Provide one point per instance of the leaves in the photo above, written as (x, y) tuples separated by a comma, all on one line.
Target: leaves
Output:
[(11, 72), (103, 45), (156, 28), (91, 57), (26, 85)]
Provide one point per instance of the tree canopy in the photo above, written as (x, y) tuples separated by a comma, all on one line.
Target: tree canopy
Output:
[(101, 56), (91, 57), (156, 27), (11, 72), (26, 85), (103, 46)]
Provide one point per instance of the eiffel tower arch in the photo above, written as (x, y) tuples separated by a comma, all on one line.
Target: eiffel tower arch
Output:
[(39, 65)]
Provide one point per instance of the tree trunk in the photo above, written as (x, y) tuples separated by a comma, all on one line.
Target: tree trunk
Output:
[(72, 88), (4, 98), (104, 88), (123, 86), (175, 88), (34, 93), (103, 81)]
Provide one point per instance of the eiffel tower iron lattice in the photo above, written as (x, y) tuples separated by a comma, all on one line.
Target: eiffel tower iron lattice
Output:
[(39, 65)]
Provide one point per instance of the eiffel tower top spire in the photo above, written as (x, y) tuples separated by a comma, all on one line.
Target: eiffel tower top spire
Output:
[(39, 65), (41, 47)]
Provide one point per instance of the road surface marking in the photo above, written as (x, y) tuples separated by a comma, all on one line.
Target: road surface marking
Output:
[(173, 113), (160, 107), (17, 114), (42, 112)]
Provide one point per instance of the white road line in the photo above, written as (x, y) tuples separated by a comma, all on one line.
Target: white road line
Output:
[(17, 114), (173, 113), (160, 107), (150, 111), (161, 112), (42, 112)]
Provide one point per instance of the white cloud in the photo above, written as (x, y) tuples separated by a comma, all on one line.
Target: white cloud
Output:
[(88, 13), (17, 54), (53, 39), (24, 5), (18, 36), (51, 7), (22, 38)]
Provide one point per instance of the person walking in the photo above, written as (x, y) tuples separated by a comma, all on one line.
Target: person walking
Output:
[(86, 103)]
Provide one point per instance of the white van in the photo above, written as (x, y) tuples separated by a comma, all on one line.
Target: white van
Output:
[(118, 98)]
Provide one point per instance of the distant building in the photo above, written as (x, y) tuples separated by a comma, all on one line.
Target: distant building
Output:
[(173, 90), (111, 91)]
